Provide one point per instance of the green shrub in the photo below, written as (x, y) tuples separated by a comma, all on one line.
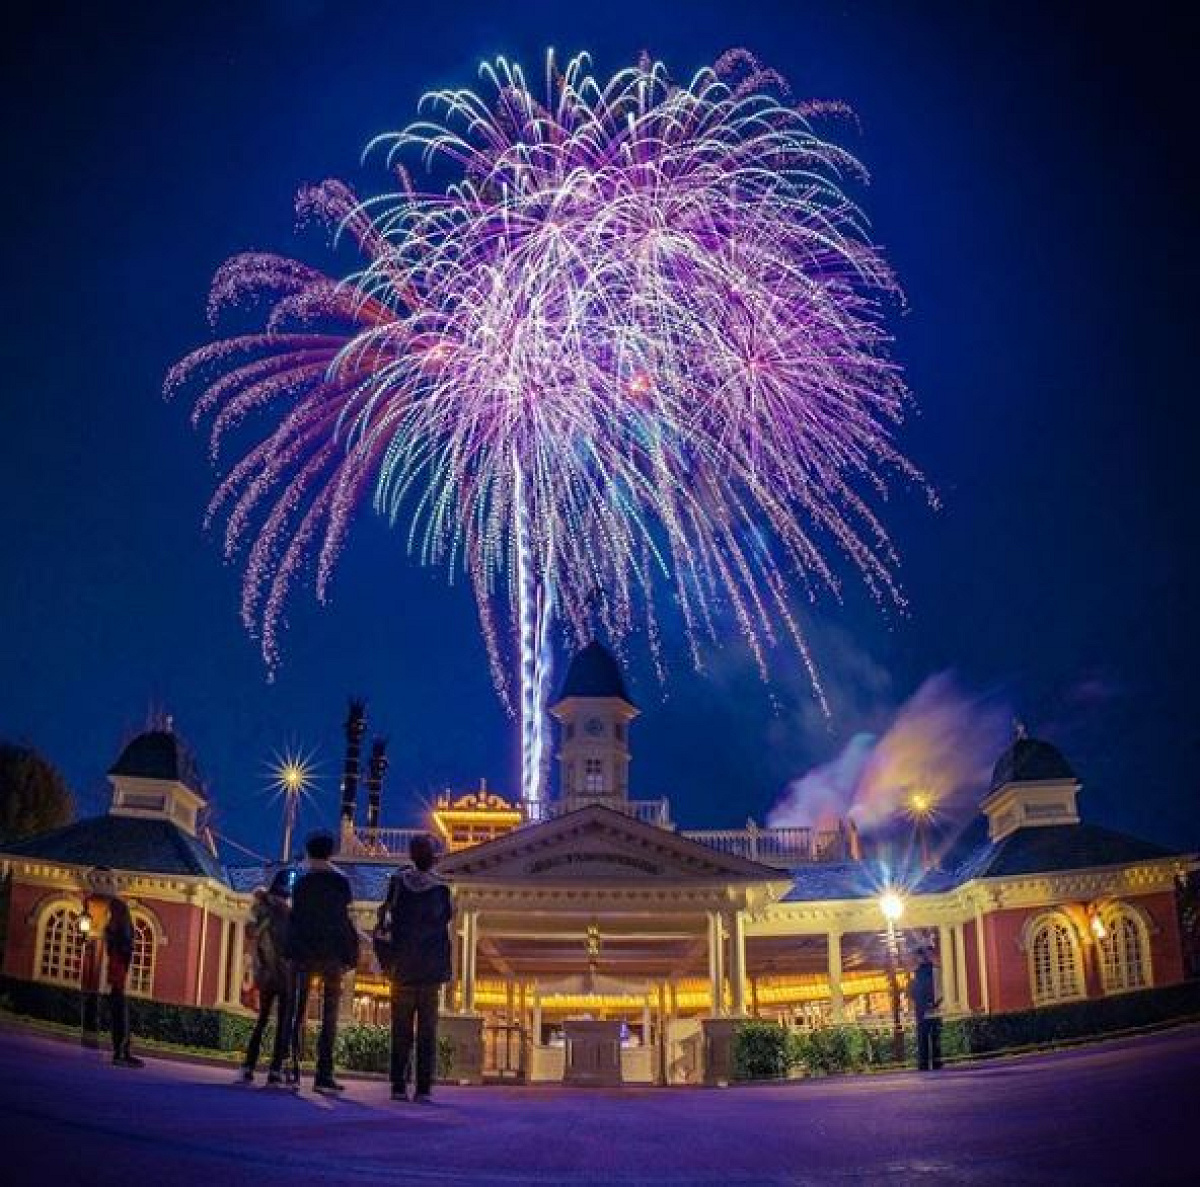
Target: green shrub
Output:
[(363, 1048), (760, 1051), (445, 1057), (1050, 1025)]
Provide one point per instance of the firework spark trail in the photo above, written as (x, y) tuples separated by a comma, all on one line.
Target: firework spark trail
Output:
[(637, 346)]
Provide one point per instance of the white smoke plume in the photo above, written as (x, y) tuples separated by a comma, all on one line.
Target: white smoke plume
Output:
[(942, 743)]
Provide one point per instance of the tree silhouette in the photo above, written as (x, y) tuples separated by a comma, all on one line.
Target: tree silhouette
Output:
[(34, 797)]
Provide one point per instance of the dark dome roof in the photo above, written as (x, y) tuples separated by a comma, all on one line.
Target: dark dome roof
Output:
[(594, 673), (158, 754), (1029, 760)]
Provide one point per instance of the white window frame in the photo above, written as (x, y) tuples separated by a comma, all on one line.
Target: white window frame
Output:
[(1125, 951), (63, 970), (140, 982), (1063, 980), (593, 776)]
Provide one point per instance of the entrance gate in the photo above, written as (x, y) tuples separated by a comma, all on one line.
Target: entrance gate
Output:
[(503, 1052)]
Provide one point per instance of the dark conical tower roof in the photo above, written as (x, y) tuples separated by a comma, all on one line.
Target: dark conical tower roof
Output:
[(158, 754), (594, 672), (1030, 760)]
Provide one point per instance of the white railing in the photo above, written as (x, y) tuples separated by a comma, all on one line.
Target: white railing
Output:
[(782, 847), (647, 811), (363, 844), (779, 847)]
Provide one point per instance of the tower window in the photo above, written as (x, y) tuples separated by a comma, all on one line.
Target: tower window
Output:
[(593, 775), (619, 732)]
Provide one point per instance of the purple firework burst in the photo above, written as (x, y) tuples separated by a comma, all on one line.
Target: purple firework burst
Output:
[(637, 346)]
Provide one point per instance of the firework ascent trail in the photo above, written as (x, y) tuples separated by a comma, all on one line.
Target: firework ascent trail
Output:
[(636, 346)]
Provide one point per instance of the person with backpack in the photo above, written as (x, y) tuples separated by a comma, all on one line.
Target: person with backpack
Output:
[(413, 943), (322, 944), (269, 921)]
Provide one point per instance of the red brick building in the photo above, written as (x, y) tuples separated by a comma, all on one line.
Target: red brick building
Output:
[(608, 908)]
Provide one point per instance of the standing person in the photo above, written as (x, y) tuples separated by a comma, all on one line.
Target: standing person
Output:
[(118, 947), (322, 943), (418, 912), (269, 922), (926, 993)]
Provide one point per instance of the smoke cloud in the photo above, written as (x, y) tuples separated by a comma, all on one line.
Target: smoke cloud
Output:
[(942, 742)]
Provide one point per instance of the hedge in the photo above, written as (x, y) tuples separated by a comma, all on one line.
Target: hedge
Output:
[(764, 1050), (1050, 1025), (359, 1048), (362, 1048), (184, 1026)]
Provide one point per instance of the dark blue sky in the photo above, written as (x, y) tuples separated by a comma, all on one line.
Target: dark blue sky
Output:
[(1029, 169)]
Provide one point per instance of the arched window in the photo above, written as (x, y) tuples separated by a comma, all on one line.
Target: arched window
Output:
[(1124, 951), (141, 967), (1054, 965), (60, 957)]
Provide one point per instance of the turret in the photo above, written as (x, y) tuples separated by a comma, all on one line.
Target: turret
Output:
[(378, 767), (356, 726), (594, 712)]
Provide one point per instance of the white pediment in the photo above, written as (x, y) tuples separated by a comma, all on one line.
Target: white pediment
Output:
[(599, 844)]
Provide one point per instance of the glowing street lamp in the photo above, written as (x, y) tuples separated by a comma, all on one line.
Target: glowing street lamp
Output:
[(891, 905), (921, 807), (89, 970), (291, 776)]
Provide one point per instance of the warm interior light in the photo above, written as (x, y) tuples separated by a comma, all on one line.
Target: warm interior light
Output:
[(1098, 928)]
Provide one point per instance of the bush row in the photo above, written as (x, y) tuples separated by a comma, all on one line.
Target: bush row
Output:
[(359, 1048), (764, 1050), (185, 1026)]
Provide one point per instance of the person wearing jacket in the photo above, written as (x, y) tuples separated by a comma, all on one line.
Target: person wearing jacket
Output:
[(269, 923), (118, 947), (322, 943), (417, 913), (926, 992)]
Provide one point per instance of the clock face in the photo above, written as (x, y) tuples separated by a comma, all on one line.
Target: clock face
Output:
[(593, 727)]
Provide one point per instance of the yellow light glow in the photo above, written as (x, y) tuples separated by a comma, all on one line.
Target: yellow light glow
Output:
[(892, 905), (292, 773), (920, 803), (1098, 928)]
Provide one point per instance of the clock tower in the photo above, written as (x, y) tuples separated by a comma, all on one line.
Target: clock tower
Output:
[(593, 711)]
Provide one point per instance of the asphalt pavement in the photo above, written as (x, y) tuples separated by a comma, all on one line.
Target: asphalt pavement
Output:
[(1122, 1112)]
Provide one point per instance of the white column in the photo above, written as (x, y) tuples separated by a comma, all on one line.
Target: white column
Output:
[(716, 964), (837, 1000), (222, 994), (456, 966), (982, 955), (962, 989), (948, 962), (737, 962), (239, 960), (201, 955), (470, 939)]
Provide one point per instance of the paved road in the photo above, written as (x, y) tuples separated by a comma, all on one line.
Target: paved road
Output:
[(1121, 1113)]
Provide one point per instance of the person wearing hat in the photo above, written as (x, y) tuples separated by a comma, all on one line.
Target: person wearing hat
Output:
[(269, 921), (926, 992)]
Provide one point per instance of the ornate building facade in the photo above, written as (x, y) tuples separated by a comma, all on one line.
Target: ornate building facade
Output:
[(605, 943)]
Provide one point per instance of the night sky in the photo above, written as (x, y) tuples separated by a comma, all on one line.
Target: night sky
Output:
[(1028, 185)]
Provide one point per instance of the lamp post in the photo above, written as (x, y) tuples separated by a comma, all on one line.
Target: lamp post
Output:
[(892, 906), (291, 777), (89, 974), (921, 807)]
